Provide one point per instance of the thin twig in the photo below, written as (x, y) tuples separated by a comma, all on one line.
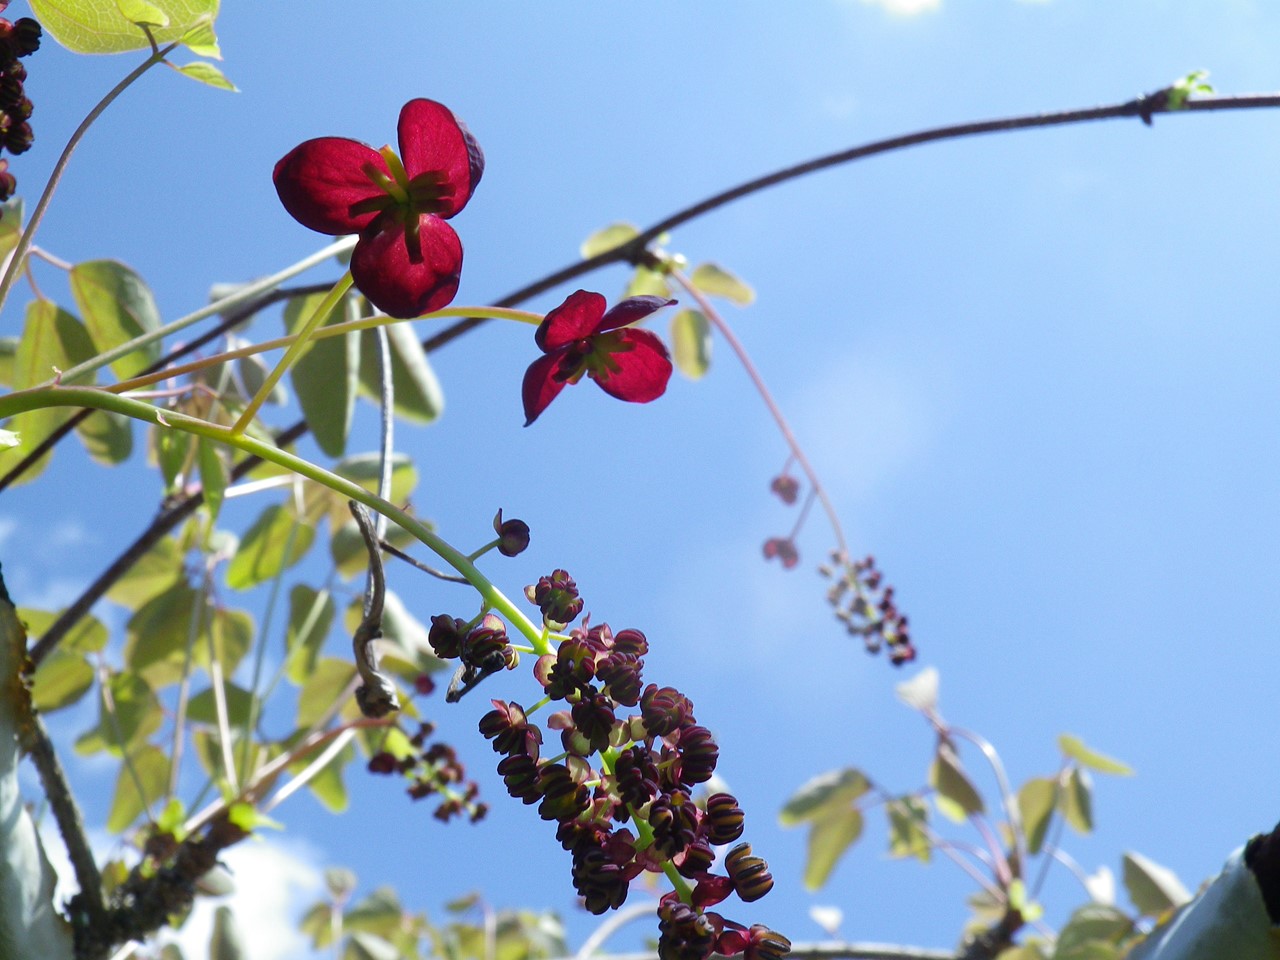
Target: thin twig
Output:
[(401, 555), (376, 695)]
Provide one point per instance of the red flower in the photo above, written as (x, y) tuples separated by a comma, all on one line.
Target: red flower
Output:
[(408, 260), (578, 338)]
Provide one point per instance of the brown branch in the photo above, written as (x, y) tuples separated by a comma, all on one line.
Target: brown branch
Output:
[(633, 251)]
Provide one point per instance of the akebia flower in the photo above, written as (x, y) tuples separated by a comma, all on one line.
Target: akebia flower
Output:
[(407, 260), (579, 338)]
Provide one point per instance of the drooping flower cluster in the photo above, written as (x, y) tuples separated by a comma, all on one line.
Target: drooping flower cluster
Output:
[(434, 769), (578, 338), (407, 261), (19, 38), (865, 605), (621, 784)]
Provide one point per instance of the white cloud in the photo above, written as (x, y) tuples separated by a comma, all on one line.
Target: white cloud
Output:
[(8, 526), (906, 8)]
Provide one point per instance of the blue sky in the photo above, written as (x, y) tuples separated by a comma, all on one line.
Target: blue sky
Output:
[(1036, 370)]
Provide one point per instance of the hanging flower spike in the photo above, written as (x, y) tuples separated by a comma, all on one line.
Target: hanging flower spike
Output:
[(408, 260), (579, 337)]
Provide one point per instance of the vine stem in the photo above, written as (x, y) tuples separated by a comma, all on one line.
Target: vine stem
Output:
[(37, 215), (775, 411)]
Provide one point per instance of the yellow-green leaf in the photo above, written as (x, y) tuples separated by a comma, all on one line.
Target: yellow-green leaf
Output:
[(1076, 800), (647, 282), (226, 942), (1075, 748), (276, 541), (150, 764), (310, 617), (1036, 801), (142, 12), (203, 707), (326, 376), (323, 688), (10, 225), (158, 633), (829, 837), (956, 798), (117, 306), (204, 72), (87, 636), (907, 817), (921, 691), (691, 343), (92, 26), (713, 279), (62, 679), (154, 572), (201, 40), (607, 238), (8, 359), (418, 397), (107, 436), (213, 474), (833, 790), (1152, 888)]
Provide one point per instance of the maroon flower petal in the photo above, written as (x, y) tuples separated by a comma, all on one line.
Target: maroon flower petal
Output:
[(321, 180), (540, 386), (432, 140), (397, 285), (643, 370), (579, 316), (628, 311)]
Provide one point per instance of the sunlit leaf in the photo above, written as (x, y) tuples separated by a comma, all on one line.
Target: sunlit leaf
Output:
[(418, 396), (1152, 888), (206, 73), (153, 573), (607, 238), (8, 357), (203, 707), (230, 635), (833, 790), (226, 941), (328, 785), (213, 473), (691, 343), (10, 229), (325, 687), (87, 636), (317, 923), (150, 764), (1091, 930), (1074, 747), (957, 798), (117, 306), (201, 40), (921, 691), (30, 924), (92, 26), (1036, 801), (142, 12), (907, 817), (400, 628), (379, 913), (174, 450), (326, 376), (364, 469), (107, 436), (134, 715), (158, 635), (310, 617), (62, 678), (829, 837), (1076, 800), (647, 282), (252, 372), (348, 550), (713, 279), (276, 541), (368, 946)]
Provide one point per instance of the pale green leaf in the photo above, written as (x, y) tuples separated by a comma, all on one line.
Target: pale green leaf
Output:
[(713, 279), (173, 452), (89, 635), (1076, 800), (328, 786), (648, 282), (418, 397), (230, 635), (203, 707), (326, 376), (691, 343), (1152, 888), (957, 798), (204, 72), (276, 541), (400, 628), (379, 913), (154, 573), (1074, 747), (607, 238), (107, 436), (117, 306), (829, 837), (368, 946), (158, 635), (1092, 930), (226, 943), (30, 924), (201, 40), (92, 26), (921, 691), (326, 685), (311, 615), (348, 550), (211, 458), (62, 678), (10, 226), (142, 12), (134, 716), (252, 372), (907, 817), (1036, 801), (317, 923), (8, 359), (833, 790), (150, 764)]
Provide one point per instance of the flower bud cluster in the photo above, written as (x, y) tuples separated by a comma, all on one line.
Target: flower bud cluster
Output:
[(620, 787), (784, 549), (19, 38), (434, 768), (482, 649), (865, 605)]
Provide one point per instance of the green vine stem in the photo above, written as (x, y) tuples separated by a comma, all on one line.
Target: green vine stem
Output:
[(59, 396)]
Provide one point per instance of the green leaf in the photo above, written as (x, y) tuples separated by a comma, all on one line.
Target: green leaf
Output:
[(317, 923), (310, 617), (201, 40), (91, 26), (226, 943), (30, 924), (1076, 800), (1193, 83), (62, 679), (1036, 801), (907, 817), (158, 633), (379, 913), (252, 372), (326, 376), (648, 282), (276, 541), (137, 714), (956, 798), (10, 227), (829, 837), (213, 473), (230, 636), (1152, 888), (348, 550), (829, 791), (368, 946), (203, 707), (151, 765), (691, 343), (172, 817), (1092, 931), (921, 691), (141, 12), (607, 238), (203, 72), (173, 449), (8, 358), (87, 636), (323, 688), (400, 628), (117, 306), (155, 572), (364, 468), (713, 279), (327, 786), (1074, 748), (247, 817), (52, 340), (107, 436), (418, 398)]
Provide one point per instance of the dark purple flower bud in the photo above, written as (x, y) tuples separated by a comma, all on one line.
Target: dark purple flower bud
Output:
[(26, 36), (724, 818), (698, 754), (782, 548), (636, 776), (520, 775), (695, 860), (563, 798), (751, 877), (620, 673), (509, 729), (685, 933), (19, 139), (593, 717), (765, 944), (786, 487), (486, 647), (674, 819), (446, 636), (513, 535), (630, 642), (424, 685), (664, 710), (557, 597), (382, 762)]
